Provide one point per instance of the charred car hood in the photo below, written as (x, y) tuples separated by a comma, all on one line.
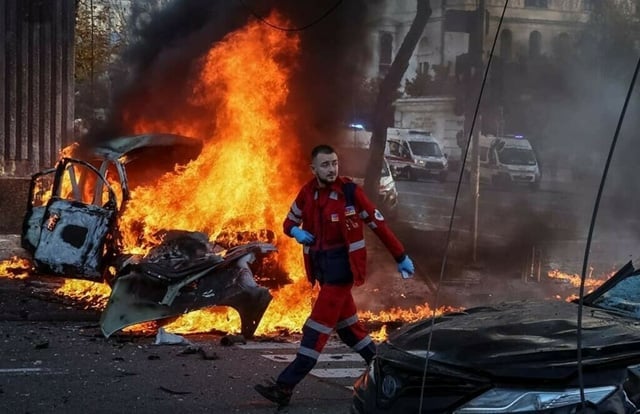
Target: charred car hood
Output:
[(526, 338), (117, 147)]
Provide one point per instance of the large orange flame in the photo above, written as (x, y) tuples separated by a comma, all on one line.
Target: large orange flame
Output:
[(242, 180)]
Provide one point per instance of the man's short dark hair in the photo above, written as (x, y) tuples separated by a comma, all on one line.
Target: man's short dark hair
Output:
[(321, 149)]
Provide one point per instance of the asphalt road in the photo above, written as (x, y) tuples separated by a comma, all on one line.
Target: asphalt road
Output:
[(68, 367), (513, 221)]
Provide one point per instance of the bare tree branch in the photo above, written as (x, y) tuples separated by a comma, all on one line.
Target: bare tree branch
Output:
[(389, 85)]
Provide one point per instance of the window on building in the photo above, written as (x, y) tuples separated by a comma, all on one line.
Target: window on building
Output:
[(562, 45), (423, 55), (541, 4), (385, 51), (588, 4), (535, 44), (505, 45)]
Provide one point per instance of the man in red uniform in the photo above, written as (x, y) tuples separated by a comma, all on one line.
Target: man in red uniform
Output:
[(332, 211)]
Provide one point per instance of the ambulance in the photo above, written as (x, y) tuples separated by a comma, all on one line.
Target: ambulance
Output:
[(414, 154), (508, 159)]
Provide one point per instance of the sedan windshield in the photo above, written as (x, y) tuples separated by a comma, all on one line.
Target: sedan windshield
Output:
[(425, 149), (517, 156)]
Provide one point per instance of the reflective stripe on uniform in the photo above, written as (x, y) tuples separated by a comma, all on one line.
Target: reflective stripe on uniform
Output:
[(372, 225), (364, 215), (294, 218), (305, 250), (356, 245), (316, 326), (346, 322), (296, 210), (362, 344), (311, 353)]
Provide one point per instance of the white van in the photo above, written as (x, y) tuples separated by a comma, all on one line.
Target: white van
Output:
[(507, 159), (413, 154)]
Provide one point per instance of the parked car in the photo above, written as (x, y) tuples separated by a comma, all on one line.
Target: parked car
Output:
[(514, 357), (71, 230)]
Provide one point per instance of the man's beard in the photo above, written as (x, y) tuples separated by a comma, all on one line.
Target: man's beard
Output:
[(326, 182)]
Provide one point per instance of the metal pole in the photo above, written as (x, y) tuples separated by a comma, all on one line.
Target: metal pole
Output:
[(93, 96), (478, 63), (475, 156)]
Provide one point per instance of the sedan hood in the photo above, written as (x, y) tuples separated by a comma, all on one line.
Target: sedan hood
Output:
[(117, 147), (526, 338)]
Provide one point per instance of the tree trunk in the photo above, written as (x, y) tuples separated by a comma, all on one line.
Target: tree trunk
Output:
[(389, 85)]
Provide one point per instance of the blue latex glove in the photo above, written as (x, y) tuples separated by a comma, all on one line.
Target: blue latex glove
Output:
[(302, 236), (406, 268)]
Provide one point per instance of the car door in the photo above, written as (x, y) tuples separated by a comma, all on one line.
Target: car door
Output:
[(39, 194), (74, 232)]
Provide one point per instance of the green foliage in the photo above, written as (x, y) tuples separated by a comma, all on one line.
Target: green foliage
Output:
[(94, 45), (97, 43)]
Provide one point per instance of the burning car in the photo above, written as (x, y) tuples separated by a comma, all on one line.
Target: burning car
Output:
[(71, 228), (514, 357)]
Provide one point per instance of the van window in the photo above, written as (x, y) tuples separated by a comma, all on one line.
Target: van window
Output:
[(394, 148), (425, 149), (517, 156)]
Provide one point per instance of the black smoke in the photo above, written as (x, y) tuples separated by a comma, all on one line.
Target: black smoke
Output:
[(154, 71)]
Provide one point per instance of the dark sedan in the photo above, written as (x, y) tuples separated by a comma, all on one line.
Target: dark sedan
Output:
[(514, 357)]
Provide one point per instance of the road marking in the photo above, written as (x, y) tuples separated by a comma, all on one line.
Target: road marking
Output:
[(337, 372), (351, 359), (24, 370), (284, 345), (323, 357)]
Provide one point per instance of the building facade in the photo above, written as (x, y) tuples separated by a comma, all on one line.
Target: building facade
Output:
[(530, 28), (37, 67)]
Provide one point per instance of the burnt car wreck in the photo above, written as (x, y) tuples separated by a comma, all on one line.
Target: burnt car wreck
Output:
[(514, 357), (71, 230)]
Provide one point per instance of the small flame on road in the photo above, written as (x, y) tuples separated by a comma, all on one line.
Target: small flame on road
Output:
[(590, 282), (15, 268)]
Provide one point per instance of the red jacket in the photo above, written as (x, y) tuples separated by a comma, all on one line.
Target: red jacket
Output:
[(324, 213)]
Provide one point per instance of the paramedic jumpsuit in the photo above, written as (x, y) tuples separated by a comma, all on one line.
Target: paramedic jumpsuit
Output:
[(335, 215)]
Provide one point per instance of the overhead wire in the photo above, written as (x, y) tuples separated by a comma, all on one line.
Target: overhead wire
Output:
[(455, 202), (292, 29), (592, 226)]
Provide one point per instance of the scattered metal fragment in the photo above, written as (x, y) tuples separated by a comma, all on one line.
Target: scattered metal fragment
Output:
[(41, 344), (170, 391), (229, 340)]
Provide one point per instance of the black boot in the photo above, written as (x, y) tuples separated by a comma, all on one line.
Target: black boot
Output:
[(275, 392)]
